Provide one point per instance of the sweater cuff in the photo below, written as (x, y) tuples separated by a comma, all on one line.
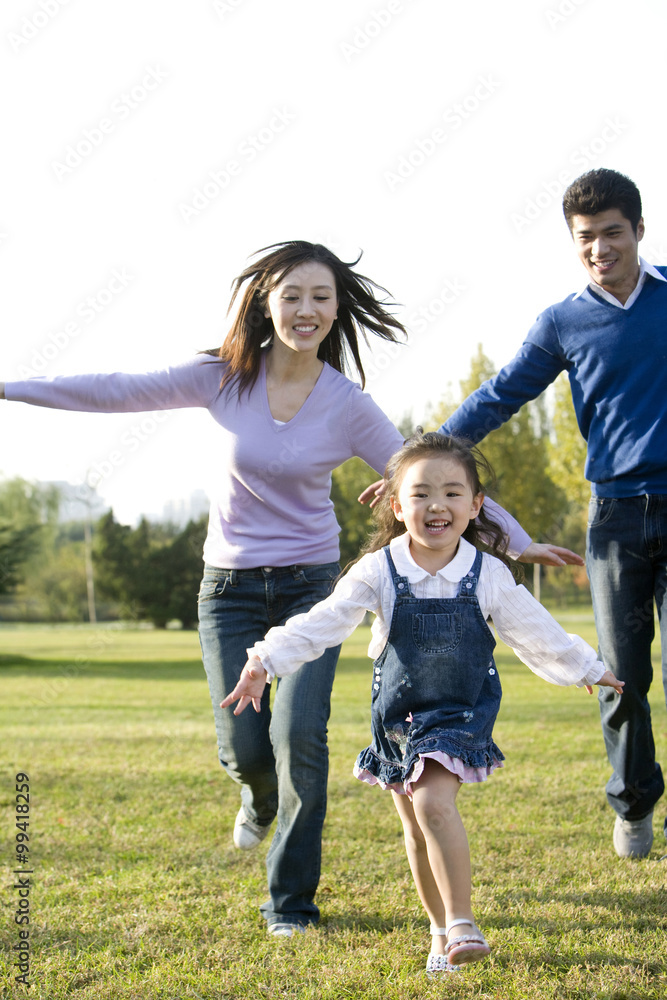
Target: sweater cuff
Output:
[(594, 674), (259, 651)]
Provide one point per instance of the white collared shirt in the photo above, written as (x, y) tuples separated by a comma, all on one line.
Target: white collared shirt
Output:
[(521, 621), (644, 269)]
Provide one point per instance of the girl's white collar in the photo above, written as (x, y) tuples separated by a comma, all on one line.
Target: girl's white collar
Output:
[(453, 571)]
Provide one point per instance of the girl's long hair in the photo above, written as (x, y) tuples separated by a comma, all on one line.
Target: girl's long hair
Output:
[(359, 311), (482, 532)]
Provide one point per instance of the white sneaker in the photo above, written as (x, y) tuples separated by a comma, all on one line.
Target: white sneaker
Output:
[(285, 930), (633, 837), (248, 835)]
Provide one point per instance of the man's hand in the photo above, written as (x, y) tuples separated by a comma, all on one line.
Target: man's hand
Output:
[(546, 555)]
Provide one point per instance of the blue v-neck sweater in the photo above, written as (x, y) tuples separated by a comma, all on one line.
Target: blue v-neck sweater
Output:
[(616, 360)]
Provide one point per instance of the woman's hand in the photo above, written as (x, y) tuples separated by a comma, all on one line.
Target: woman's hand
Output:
[(250, 687), (374, 491), (544, 553)]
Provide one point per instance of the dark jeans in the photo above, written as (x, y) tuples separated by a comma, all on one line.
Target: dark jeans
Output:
[(626, 561), (279, 758)]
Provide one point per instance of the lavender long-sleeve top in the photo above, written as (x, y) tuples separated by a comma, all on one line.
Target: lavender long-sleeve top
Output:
[(271, 502)]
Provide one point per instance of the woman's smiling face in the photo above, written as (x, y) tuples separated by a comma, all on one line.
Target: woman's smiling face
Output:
[(303, 307)]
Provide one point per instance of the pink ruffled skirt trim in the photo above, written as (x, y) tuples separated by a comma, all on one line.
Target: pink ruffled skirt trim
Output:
[(465, 774)]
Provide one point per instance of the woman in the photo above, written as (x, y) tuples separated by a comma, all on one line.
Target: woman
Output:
[(288, 416)]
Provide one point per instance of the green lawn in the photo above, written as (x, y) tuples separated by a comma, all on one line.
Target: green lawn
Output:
[(138, 893)]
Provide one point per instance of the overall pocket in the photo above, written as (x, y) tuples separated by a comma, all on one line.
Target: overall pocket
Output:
[(437, 633)]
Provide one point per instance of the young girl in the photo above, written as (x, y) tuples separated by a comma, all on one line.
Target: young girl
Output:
[(436, 690)]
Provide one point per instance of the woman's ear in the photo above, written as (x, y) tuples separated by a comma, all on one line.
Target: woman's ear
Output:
[(397, 509)]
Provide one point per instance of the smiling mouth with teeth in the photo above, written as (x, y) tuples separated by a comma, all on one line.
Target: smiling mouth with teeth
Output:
[(437, 525)]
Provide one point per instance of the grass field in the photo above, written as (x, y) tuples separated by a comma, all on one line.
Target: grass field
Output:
[(136, 891)]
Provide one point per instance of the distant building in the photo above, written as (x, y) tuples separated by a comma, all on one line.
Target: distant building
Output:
[(180, 512), (78, 502)]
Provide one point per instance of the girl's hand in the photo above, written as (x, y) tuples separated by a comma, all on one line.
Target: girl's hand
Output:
[(608, 680), (250, 687)]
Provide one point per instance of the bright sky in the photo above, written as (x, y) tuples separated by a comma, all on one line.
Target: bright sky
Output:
[(150, 147)]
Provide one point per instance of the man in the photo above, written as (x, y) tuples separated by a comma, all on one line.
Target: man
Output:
[(611, 338)]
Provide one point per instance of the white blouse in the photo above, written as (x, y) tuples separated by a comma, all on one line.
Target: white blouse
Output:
[(520, 621)]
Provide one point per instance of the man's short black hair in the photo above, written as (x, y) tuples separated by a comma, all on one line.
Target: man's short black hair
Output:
[(600, 190)]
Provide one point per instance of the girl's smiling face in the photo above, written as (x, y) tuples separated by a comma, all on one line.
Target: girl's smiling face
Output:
[(303, 307), (436, 503)]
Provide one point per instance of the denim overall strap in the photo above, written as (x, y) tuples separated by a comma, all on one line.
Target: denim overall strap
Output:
[(401, 583), (468, 584)]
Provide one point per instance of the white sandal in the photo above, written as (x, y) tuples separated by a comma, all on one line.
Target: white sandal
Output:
[(437, 964), (465, 948)]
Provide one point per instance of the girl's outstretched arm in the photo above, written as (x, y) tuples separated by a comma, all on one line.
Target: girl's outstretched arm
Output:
[(250, 687), (608, 680)]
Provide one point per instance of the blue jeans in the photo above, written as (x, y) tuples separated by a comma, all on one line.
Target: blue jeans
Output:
[(626, 560), (280, 759)]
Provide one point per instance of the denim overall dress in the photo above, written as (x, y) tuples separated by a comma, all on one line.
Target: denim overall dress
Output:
[(435, 684)]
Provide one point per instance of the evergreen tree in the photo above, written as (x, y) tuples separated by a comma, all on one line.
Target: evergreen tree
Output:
[(152, 570), (16, 545), (28, 518)]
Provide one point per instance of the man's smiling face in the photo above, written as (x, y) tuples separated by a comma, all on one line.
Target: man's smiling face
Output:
[(607, 246)]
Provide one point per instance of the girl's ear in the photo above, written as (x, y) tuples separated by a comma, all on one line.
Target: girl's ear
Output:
[(396, 507), (476, 505)]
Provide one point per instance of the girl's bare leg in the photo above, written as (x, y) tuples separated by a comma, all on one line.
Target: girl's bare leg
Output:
[(415, 847), (434, 805)]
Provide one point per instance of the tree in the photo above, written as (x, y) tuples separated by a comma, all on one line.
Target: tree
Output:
[(567, 458), (152, 570), (355, 519), (518, 454), (169, 582), (28, 517), (16, 545), (57, 588), (347, 482), (567, 448)]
